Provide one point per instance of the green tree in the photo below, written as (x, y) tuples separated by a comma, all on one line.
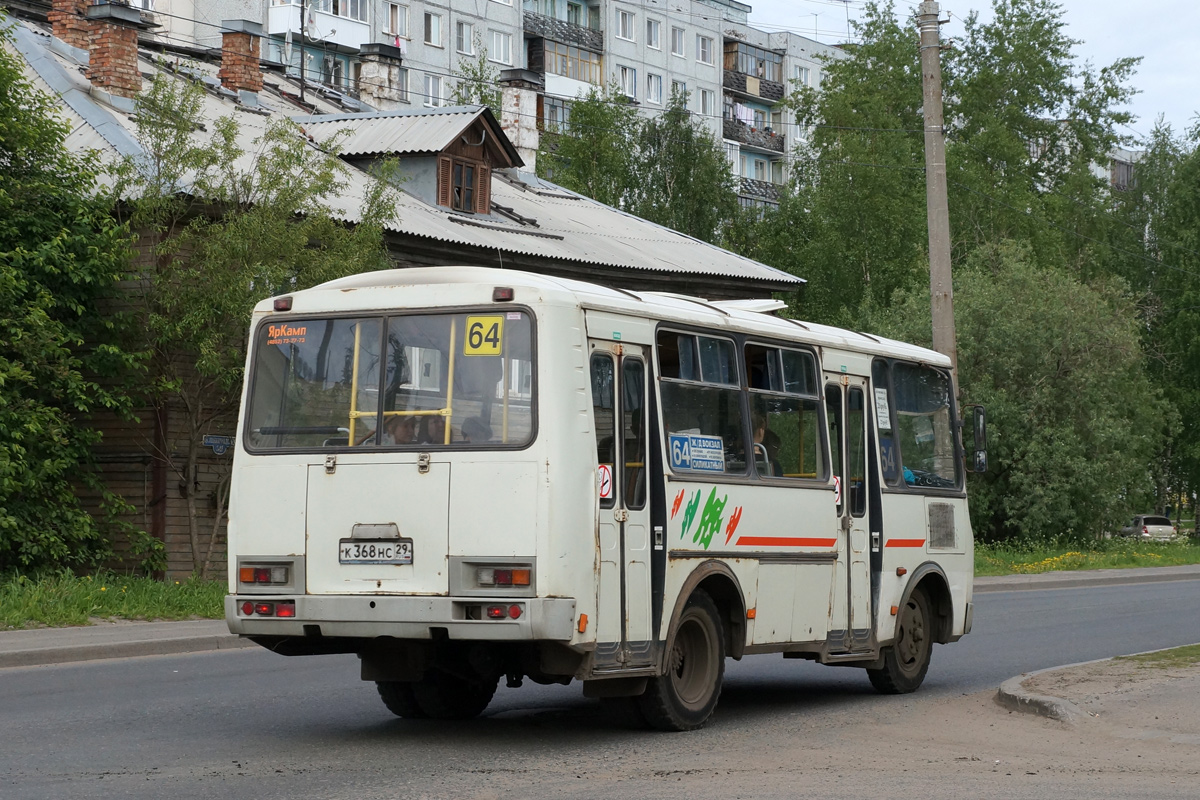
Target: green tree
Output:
[(1074, 420), (596, 154), (666, 168), (60, 256), (1025, 123), (684, 181), (228, 224), (477, 81)]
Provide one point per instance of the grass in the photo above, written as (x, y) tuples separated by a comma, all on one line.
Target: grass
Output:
[(1176, 657), (1023, 559), (63, 599)]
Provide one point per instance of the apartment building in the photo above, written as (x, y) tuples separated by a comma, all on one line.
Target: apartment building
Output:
[(406, 54)]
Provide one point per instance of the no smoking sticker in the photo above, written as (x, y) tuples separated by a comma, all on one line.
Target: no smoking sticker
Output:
[(606, 483), (837, 490)]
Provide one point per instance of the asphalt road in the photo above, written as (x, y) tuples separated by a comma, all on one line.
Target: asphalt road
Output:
[(249, 723)]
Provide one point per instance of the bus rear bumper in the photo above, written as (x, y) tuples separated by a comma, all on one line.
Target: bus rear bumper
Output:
[(401, 617)]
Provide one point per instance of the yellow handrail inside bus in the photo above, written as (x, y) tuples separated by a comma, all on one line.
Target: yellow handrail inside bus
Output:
[(354, 385), (504, 424)]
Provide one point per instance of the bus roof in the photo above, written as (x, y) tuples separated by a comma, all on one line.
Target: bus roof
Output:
[(747, 316)]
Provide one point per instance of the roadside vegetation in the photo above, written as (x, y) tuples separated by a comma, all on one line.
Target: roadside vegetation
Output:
[(1022, 558), (1174, 658), (62, 598)]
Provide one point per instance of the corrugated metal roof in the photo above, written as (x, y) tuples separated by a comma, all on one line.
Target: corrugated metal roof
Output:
[(569, 227), (400, 134)]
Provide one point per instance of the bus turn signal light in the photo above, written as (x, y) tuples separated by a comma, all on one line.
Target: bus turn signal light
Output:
[(263, 575)]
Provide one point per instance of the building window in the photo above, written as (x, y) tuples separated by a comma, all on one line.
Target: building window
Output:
[(397, 20), (679, 88), (677, 42), (760, 118), (704, 49), (556, 114), (756, 61), (351, 9), (760, 170), (654, 88), (731, 155), (464, 185), (571, 62), (400, 86), (628, 79), (802, 75), (503, 2), (742, 166), (501, 48), (575, 14), (708, 103), (652, 34), (433, 29), (777, 171), (433, 90), (625, 25), (462, 38)]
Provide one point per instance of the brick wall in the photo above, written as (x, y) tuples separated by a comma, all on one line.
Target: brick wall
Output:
[(239, 62), (114, 59), (68, 23)]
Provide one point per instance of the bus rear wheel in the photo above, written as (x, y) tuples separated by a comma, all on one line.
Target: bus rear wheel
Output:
[(399, 699), (441, 695), (685, 695), (907, 660)]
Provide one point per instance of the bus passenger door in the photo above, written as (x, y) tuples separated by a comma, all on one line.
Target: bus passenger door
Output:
[(850, 606), (624, 630)]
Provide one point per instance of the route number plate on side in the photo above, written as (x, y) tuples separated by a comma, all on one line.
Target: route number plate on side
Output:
[(366, 551)]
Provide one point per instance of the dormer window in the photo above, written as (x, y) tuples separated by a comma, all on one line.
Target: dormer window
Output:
[(464, 185)]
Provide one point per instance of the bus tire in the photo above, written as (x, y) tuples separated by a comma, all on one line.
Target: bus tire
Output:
[(907, 660), (684, 696), (399, 699), (441, 695)]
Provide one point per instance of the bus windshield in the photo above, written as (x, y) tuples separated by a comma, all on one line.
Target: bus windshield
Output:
[(408, 381)]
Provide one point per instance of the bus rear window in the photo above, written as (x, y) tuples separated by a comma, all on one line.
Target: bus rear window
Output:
[(410, 381)]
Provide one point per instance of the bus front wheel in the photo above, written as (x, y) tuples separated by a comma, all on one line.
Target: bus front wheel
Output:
[(684, 696), (907, 660)]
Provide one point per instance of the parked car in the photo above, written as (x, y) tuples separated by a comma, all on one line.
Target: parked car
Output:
[(1150, 527)]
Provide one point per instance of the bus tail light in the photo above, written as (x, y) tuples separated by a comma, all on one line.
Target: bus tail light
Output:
[(282, 608), (504, 576), (497, 612), (263, 575)]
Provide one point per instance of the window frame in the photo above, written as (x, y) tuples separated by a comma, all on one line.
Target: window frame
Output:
[(461, 27), (626, 21), (653, 79), (701, 39), (682, 51), (384, 318), (898, 484), (429, 27), (627, 80), (654, 42), (501, 36), (429, 98), (397, 13), (816, 396)]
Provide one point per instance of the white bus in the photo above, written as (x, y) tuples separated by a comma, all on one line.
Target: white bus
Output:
[(464, 474)]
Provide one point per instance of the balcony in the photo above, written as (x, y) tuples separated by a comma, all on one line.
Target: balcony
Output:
[(759, 190), (559, 30), (768, 91), (757, 138)]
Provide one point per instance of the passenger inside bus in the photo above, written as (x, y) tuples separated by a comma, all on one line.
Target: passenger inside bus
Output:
[(476, 430), (433, 430), (399, 430), (766, 446)]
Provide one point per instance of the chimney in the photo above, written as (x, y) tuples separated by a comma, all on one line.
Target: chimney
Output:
[(69, 23), (113, 60), (381, 80), (240, 42), (519, 112)]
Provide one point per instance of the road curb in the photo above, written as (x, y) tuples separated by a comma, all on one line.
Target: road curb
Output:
[(1045, 580), (1013, 695), (43, 656)]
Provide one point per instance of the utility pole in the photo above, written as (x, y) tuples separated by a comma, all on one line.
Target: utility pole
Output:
[(303, 14), (941, 289)]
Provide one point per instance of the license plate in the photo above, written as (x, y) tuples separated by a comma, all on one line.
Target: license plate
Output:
[(383, 551)]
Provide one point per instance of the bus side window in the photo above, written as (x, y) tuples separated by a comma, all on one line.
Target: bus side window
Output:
[(833, 419), (856, 455)]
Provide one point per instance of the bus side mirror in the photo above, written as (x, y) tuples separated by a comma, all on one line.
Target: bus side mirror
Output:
[(978, 445)]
